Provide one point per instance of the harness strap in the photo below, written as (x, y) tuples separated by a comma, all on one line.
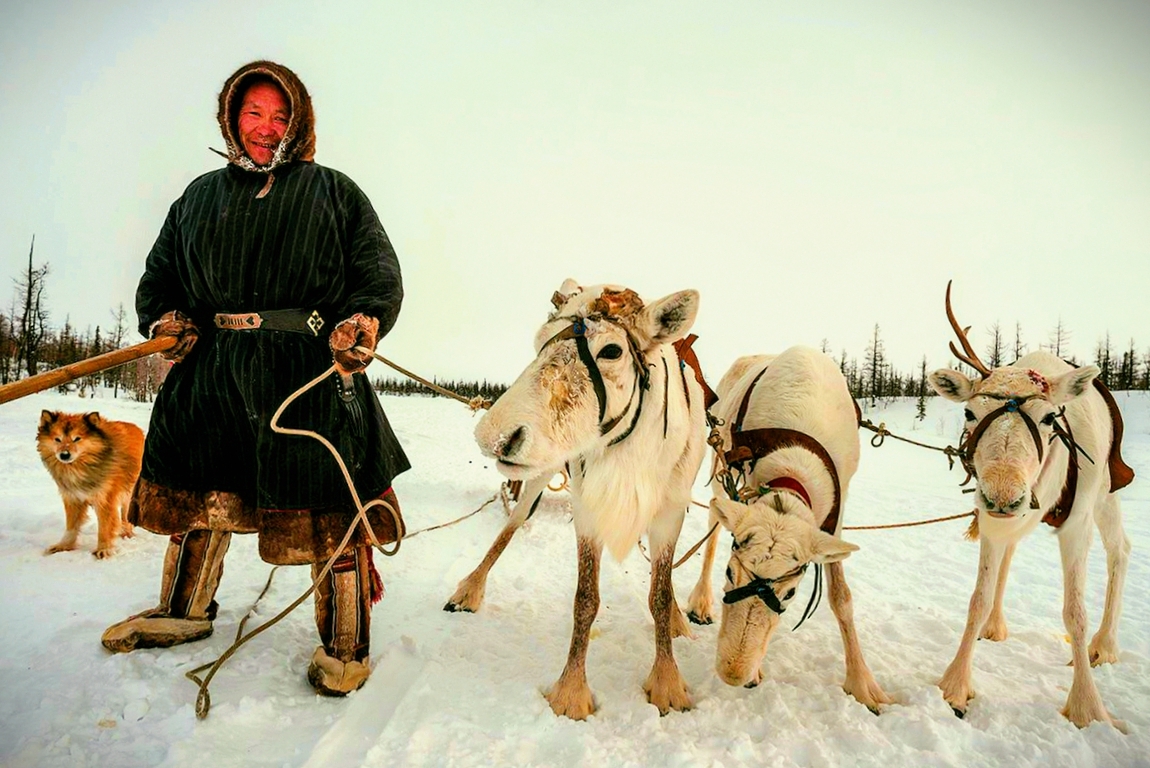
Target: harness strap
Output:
[(738, 425), (1013, 405), (1121, 475), (593, 370), (790, 484), (754, 444), (687, 355), (1060, 512), (634, 419)]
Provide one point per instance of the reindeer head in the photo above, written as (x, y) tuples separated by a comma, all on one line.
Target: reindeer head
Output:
[(584, 388), (1011, 417), (775, 539)]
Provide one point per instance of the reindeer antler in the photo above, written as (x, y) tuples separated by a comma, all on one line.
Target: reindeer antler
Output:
[(971, 357)]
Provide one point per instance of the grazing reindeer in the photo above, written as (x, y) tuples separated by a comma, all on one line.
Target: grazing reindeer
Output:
[(607, 399), (1038, 437), (793, 429)]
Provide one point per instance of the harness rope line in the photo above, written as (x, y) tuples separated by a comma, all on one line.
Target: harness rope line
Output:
[(203, 698), (474, 403), (881, 433)]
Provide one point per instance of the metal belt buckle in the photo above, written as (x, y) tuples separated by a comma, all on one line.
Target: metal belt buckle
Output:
[(242, 322), (314, 322)]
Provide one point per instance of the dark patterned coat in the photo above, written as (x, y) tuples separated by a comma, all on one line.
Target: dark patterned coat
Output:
[(294, 234)]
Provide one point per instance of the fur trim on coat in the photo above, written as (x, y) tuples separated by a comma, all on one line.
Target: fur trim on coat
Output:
[(299, 138), (286, 536)]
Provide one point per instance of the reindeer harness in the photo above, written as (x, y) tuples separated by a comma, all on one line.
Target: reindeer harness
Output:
[(612, 302), (747, 448), (1120, 474)]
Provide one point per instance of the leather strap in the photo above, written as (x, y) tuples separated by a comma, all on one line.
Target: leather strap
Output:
[(754, 444), (307, 321)]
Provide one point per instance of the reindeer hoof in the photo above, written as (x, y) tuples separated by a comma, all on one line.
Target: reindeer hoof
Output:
[(959, 713), (697, 619), (451, 607)]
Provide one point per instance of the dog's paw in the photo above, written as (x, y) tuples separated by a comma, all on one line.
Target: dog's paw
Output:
[(102, 553), (61, 547)]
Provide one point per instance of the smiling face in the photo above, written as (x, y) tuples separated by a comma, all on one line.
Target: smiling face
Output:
[(263, 119)]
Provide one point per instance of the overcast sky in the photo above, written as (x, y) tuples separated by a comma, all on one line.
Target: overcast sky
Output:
[(811, 168)]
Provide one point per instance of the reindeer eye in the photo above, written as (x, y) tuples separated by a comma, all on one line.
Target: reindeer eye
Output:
[(1048, 419), (969, 415), (610, 352), (790, 594)]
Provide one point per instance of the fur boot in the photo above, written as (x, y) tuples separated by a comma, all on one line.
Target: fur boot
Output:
[(343, 601), (193, 565)]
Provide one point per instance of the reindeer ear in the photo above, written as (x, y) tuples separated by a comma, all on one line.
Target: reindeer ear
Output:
[(951, 384), (729, 513), (1072, 384), (671, 317), (830, 549)]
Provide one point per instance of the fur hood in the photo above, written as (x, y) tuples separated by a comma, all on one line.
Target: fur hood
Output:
[(299, 139)]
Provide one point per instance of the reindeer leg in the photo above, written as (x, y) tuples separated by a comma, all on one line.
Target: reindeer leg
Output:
[(1104, 646), (468, 594), (571, 696), (664, 686), (995, 626), (859, 682), (75, 513), (1083, 704), (955, 682), (701, 604)]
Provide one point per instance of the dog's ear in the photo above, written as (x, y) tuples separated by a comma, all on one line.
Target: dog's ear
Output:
[(46, 418), (93, 419)]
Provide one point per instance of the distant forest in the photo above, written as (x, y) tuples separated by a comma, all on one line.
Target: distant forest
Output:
[(31, 344)]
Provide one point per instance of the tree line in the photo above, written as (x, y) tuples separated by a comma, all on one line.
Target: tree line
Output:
[(29, 344)]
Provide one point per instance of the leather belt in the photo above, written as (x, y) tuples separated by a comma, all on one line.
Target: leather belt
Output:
[(292, 320)]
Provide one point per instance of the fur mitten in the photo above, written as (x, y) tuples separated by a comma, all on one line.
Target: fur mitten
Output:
[(176, 323), (359, 330)]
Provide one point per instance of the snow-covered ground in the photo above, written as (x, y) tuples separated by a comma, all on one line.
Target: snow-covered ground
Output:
[(461, 689)]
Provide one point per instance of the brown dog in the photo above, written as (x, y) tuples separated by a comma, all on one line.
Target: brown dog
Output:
[(94, 462)]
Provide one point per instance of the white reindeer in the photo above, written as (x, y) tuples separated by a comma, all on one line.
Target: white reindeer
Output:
[(1039, 439), (606, 398), (792, 428)]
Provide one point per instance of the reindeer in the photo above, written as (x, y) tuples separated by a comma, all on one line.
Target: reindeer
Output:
[(1036, 438), (796, 456), (606, 399)]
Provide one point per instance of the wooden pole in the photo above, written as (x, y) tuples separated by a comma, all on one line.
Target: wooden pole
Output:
[(63, 375)]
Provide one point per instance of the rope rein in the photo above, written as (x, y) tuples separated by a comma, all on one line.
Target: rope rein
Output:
[(475, 403), (203, 698), (881, 433)]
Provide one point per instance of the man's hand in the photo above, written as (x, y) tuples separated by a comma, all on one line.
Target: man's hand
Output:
[(176, 323), (359, 330)]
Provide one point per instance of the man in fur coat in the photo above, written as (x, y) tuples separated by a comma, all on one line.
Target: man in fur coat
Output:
[(266, 271)]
